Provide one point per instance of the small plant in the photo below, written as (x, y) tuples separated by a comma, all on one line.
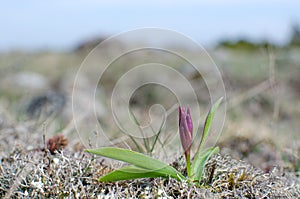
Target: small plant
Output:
[(142, 166), (149, 143), (57, 143)]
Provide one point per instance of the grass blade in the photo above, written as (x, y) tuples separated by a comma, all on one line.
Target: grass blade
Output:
[(157, 135), (135, 143), (130, 136), (131, 172), (137, 159), (145, 140)]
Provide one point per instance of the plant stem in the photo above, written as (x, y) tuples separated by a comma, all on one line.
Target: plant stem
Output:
[(188, 164)]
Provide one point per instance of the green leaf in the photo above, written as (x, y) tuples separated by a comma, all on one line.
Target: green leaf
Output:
[(200, 157), (131, 172), (157, 135), (137, 159), (207, 124), (200, 161)]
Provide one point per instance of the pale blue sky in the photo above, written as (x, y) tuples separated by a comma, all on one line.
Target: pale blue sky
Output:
[(35, 24)]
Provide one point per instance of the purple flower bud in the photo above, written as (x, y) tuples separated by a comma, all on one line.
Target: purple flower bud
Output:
[(185, 129), (189, 120)]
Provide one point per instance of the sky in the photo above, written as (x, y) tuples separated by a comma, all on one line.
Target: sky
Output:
[(60, 25)]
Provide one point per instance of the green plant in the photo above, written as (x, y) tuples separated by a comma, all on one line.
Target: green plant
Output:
[(142, 166), (149, 143)]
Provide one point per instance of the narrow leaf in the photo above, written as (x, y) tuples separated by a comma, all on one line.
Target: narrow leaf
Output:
[(146, 141), (138, 160), (200, 161), (157, 135), (131, 172), (207, 125)]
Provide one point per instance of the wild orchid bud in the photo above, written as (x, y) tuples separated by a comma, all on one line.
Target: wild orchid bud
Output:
[(189, 120), (185, 129)]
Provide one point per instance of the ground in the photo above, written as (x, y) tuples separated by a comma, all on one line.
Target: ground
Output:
[(259, 144)]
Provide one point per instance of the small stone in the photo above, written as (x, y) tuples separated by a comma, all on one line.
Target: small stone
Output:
[(55, 160)]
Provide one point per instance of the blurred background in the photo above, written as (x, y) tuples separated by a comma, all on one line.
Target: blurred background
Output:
[(255, 44)]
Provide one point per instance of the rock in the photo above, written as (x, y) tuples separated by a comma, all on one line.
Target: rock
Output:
[(46, 105)]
